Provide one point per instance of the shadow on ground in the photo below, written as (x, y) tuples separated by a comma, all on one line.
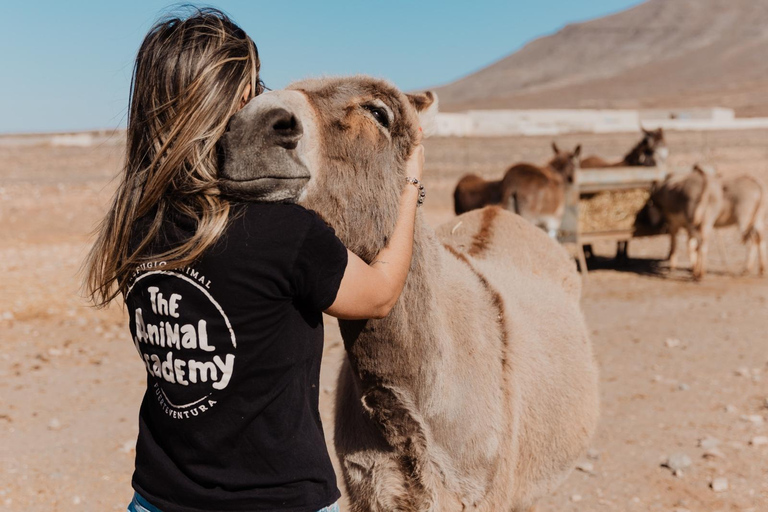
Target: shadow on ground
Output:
[(649, 267)]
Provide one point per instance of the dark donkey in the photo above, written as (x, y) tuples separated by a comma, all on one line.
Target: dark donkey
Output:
[(536, 193), (473, 192), (649, 152)]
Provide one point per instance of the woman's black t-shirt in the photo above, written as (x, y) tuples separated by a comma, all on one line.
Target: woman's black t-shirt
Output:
[(232, 345)]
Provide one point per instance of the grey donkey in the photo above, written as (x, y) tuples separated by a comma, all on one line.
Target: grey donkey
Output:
[(479, 391)]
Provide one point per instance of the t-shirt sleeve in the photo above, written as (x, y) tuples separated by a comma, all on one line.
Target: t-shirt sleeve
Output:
[(319, 266)]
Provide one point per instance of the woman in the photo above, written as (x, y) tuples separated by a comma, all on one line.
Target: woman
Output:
[(225, 299)]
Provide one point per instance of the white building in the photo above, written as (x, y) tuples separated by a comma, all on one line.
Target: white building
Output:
[(496, 123)]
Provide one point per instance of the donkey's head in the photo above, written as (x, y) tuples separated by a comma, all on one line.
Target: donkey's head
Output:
[(655, 147), (336, 145), (566, 163)]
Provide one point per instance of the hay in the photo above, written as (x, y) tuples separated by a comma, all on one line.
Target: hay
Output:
[(611, 210)]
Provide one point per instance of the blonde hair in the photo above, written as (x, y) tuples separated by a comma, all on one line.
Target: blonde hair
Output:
[(189, 77)]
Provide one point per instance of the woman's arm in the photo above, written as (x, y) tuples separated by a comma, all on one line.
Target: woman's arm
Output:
[(370, 291)]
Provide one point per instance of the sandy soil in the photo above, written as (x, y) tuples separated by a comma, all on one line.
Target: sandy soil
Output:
[(680, 361)]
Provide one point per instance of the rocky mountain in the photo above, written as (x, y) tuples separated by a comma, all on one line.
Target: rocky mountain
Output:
[(662, 53)]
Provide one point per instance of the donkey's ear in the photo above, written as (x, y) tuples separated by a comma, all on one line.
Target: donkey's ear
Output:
[(426, 105), (555, 148), (577, 151)]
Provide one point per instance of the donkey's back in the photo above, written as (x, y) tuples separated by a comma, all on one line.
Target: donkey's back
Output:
[(473, 192), (550, 372), (535, 193)]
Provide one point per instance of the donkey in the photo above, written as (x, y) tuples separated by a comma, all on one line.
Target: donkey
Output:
[(479, 390), (538, 193), (692, 202), (473, 192), (744, 205), (649, 152)]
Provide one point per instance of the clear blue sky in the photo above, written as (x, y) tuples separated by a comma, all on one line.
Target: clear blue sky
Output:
[(66, 65)]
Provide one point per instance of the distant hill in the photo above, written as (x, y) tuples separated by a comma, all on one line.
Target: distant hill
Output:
[(662, 53)]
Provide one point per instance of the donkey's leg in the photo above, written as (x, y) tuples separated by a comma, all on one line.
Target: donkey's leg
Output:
[(371, 469), (762, 249), (752, 250), (621, 250), (701, 259), (375, 483), (754, 235), (703, 234), (582, 259), (693, 247), (551, 225), (748, 236), (406, 480), (673, 247)]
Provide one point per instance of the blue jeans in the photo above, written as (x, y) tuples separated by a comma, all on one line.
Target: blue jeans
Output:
[(139, 504)]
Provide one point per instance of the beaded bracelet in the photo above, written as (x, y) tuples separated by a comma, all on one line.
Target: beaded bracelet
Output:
[(422, 190)]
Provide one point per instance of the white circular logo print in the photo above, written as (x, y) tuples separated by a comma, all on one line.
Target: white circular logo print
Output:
[(184, 338)]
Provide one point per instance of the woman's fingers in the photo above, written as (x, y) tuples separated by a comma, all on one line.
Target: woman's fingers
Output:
[(415, 165)]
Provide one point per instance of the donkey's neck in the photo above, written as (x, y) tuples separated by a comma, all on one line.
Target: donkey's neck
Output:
[(398, 347), (635, 156), (554, 172)]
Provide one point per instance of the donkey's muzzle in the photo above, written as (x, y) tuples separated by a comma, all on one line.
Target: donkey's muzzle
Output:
[(261, 153)]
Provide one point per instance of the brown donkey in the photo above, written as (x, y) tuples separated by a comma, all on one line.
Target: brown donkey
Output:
[(479, 390), (473, 192), (649, 152), (692, 202), (538, 193)]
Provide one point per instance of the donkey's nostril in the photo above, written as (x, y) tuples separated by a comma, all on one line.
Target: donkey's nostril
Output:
[(286, 128), (285, 124)]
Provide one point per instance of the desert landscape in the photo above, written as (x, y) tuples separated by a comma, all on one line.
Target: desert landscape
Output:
[(658, 54), (684, 365)]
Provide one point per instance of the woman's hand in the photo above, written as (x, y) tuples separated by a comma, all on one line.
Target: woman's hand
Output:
[(371, 291)]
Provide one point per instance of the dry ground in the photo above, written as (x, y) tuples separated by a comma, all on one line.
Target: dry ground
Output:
[(70, 383)]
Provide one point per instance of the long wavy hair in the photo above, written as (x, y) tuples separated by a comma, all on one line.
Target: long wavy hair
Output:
[(190, 76)]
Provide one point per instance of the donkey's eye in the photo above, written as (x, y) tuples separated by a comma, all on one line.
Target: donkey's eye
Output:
[(379, 114)]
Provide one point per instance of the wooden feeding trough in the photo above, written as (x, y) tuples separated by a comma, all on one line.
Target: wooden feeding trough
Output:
[(602, 205)]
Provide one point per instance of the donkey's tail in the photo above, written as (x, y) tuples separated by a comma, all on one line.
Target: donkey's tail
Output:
[(515, 203), (703, 202)]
